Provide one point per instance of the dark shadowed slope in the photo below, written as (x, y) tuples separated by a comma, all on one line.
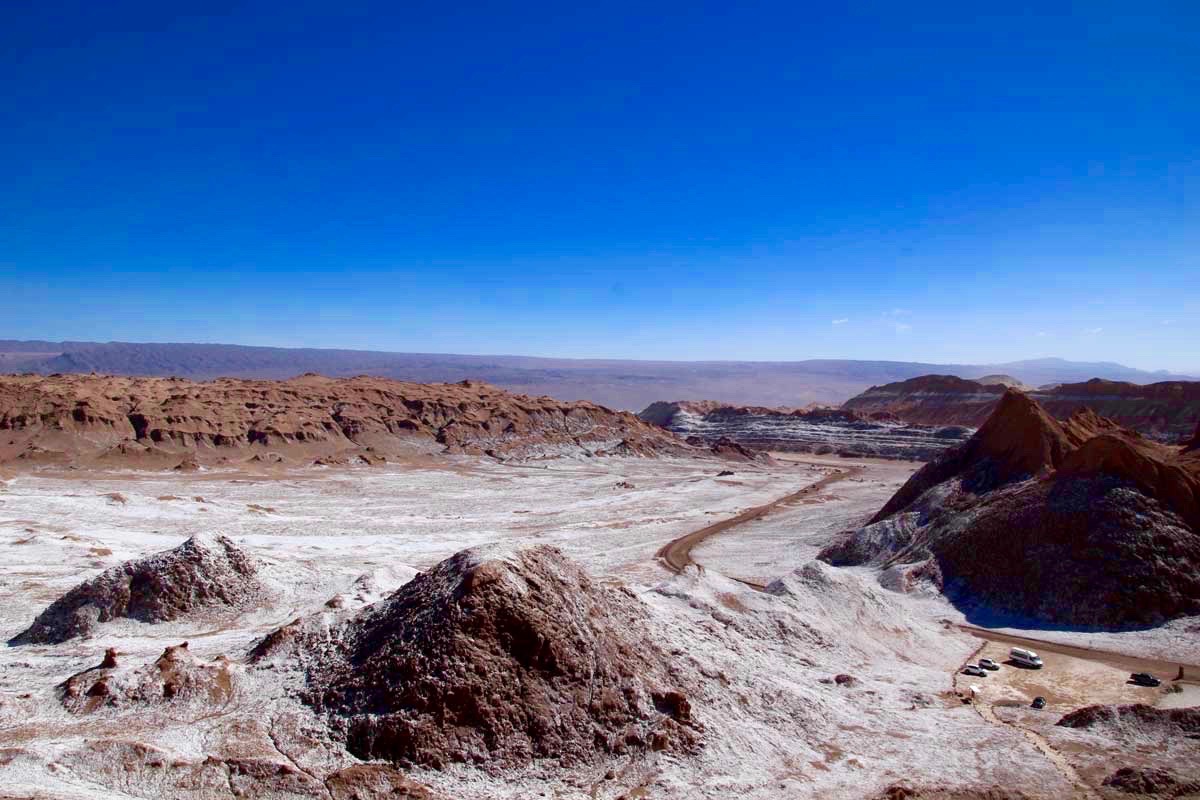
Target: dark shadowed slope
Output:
[(1078, 523)]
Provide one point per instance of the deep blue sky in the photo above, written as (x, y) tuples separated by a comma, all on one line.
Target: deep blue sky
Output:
[(745, 181)]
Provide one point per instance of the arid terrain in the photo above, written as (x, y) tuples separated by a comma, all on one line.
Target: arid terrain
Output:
[(1167, 411), (563, 617), (818, 430)]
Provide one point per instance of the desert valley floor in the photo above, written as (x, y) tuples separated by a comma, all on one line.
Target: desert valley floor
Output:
[(804, 680)]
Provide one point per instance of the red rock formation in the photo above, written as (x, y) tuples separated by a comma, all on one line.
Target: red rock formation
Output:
[(1078, 522), (1153, 469), (126, 418), (1165, 411), (1018, 440), (931, 400)]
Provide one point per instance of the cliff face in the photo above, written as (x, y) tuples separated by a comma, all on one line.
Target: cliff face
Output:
[(1079, 523), (807, 430), (1166, 411), (66, 417)]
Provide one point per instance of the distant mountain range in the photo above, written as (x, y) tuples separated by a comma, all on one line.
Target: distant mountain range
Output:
[(622, 384)]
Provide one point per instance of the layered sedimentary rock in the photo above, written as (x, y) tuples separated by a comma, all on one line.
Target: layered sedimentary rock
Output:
[(1166, 411), (808, 430)]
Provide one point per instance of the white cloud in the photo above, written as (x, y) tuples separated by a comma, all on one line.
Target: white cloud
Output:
[(1092, 331), (903, 327), (1168, 322), (898, 312), (1041, 333), (841, 321)]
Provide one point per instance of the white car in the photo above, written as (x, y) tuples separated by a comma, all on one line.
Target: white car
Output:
[(987, 663), (1025, 658)]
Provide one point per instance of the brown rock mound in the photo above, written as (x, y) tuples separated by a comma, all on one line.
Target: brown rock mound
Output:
[(494, 658), (1082, 551), (1151, 782), (906, 791), (1142, 464), (202, 573), (730, 450), (1134, 719), (1079, 522)]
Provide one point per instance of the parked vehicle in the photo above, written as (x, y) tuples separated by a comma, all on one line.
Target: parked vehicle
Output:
[(987, 663), (971, 669), (1145, 679), (1039, 702), (1026, 658)]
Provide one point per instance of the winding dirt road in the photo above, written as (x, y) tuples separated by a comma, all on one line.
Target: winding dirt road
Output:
[(677, 554)]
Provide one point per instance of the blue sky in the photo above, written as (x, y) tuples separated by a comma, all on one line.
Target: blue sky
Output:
[(695, 181)]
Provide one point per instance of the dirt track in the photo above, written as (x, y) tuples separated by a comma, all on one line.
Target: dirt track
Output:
[(677, 553), (1166, 670)]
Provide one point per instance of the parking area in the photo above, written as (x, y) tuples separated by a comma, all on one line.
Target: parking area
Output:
[(1067, 682)]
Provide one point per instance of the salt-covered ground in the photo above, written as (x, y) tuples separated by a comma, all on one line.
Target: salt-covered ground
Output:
[(793, 533), (760, 665)]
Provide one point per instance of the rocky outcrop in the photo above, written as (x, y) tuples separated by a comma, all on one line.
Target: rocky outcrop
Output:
[(730, 450), (1152, 782), (1018, 440), (1166, 411), (123, 419), (176, 676), (931, 400), (1077, 523), (808, 430), (1007, 381), (907, 791), (202, 574), (493, 657), (1134, 719)]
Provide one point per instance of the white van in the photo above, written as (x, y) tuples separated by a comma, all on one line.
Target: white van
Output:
[(1026, 658)]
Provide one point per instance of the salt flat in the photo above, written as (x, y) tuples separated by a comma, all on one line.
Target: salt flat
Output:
[(760, 666)]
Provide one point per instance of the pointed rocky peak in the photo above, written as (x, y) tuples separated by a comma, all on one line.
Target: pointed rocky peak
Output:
[(1020, 437), (1018, 440), (1086, 423)]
